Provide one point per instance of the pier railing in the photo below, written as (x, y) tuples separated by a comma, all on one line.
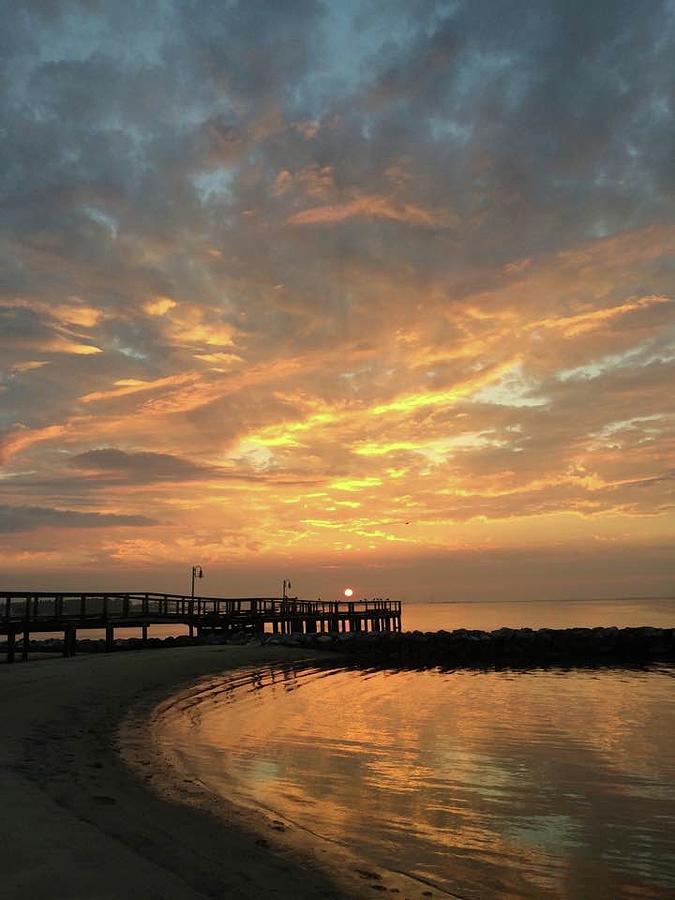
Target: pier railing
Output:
[(38, 608)]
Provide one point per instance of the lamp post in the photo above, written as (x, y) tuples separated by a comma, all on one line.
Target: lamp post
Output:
[(197, 572), (286, 621)]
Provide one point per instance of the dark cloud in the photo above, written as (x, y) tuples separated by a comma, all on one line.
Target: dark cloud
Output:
[(147, 467), (140, 467), (15, 519)]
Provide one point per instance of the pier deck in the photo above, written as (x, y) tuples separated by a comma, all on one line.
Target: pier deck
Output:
[(23, 613)]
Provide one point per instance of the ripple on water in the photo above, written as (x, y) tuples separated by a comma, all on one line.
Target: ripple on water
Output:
[(533, 784)]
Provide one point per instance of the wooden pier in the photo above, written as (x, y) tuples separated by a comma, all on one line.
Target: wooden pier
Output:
[(23, 613)]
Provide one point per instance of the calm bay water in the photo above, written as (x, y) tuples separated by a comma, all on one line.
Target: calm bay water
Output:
[(488, 616), (484, 784)]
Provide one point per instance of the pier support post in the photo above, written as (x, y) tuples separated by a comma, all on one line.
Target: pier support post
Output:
[(144, 635), (24, 647), (109, 638), (11, 645), (69, 641)]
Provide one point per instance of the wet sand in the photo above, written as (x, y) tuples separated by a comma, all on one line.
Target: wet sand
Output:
[(92, 808)]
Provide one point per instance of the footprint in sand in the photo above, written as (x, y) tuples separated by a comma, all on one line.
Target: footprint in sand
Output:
[(365, 873)]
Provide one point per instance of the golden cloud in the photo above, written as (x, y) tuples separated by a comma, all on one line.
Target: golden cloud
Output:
[(159, 306), (373, 206)]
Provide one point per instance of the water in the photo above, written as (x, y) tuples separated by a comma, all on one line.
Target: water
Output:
[(98, 634), (488, 616), (541, 784)]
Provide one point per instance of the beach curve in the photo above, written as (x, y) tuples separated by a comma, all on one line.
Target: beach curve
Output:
[(165, 728), (92, 810), (79, 823)]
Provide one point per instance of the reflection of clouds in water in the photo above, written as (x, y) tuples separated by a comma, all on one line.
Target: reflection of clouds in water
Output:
[(529, 782), (263, 770), (552, 832)]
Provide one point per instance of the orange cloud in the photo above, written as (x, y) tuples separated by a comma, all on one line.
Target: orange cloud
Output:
[(411, 402), (84, 316), (159, 306), (22, 437), (572, 326), (127, 386), (62, 345), (29, 365), (372, 206), (189, 324)]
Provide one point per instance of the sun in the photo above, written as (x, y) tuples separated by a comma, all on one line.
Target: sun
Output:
[(349, 592)]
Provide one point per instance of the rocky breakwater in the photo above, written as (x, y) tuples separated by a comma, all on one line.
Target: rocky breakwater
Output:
[(518, 647), (508, 647)]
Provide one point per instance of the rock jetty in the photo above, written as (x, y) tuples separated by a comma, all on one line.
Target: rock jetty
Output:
[(518, 647), (510, 647)]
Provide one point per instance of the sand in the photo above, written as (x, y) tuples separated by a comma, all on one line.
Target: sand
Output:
[(90, 808)]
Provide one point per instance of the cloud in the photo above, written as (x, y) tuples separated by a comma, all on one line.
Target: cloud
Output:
[(159, 306), (108, 466), (21, 437), (373, 207), (31, 327), (15, 519), (143, 466), (412, 258), (572, 326), (125, 387)]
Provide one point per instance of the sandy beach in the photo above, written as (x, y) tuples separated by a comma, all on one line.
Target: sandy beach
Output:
[(91, 809)]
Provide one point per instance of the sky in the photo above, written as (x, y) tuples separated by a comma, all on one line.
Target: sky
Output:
[(367, 292)]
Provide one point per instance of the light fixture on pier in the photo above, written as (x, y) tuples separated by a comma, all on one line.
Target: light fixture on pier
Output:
[(197, 572)]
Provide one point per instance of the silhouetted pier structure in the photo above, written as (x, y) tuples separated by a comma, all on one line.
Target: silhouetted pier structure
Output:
[(23, 613)]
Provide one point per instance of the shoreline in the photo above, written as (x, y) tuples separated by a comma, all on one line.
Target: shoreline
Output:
[(80, 821)]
